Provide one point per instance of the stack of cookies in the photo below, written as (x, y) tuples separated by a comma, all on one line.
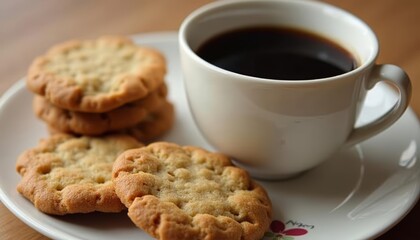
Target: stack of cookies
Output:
[(102, 86), (109, 96)]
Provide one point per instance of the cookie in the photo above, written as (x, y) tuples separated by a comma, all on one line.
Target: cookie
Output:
[(183, 192), (66, 174), (154, 125), (125, 116), (96, 75)]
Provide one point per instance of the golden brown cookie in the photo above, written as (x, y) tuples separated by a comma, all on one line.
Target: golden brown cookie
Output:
[(96, 75), (125, 116), (154, 125), (174, 192), (66, 174), (149, 129)]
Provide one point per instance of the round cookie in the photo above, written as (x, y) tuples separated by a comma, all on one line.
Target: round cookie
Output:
[(125, 116), (66, 174), (174, 192), (150, 128), (96, 75), (154, 125)]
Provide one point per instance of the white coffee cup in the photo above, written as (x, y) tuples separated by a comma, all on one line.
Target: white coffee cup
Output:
[(279, 128)]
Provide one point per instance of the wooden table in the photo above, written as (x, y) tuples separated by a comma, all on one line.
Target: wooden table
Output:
[(28, 28)]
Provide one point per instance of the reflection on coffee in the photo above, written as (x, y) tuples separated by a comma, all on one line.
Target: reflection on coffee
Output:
[(277, 53)]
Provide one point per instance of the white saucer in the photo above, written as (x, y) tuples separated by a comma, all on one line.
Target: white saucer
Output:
[(358, 194)]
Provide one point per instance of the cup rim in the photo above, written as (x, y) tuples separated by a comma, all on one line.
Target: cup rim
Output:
[(196, 14)]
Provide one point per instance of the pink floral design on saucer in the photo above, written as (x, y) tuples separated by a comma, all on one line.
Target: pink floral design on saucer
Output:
[(278, 231)]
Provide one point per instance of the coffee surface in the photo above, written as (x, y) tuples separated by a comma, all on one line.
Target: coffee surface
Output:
[(277, 53)]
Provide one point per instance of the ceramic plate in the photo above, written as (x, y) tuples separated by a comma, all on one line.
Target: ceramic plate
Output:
[(357, 194)]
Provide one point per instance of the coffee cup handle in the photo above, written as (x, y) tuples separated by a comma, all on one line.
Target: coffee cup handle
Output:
[(396, 76)]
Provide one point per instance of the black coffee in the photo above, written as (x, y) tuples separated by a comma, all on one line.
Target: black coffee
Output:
[(277, 53)]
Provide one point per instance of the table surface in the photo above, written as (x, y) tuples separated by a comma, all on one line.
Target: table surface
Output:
[(28, 28)]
